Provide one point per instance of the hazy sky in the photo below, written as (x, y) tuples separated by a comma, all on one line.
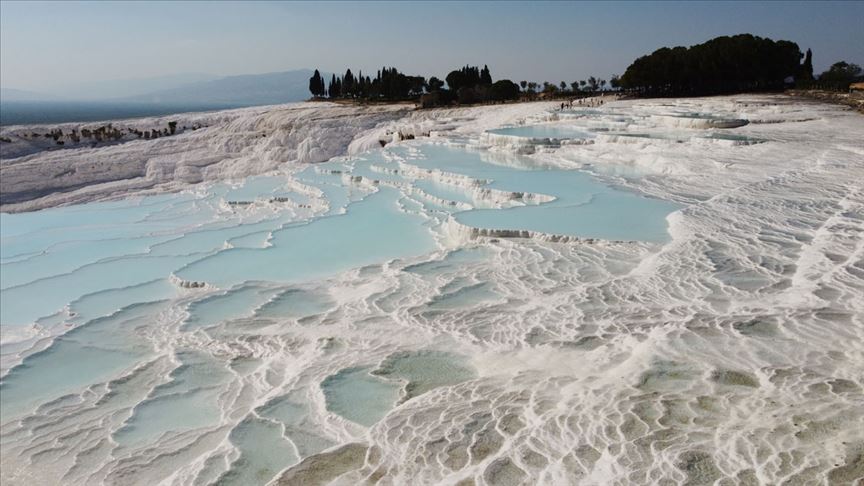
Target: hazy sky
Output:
[(48, 44)]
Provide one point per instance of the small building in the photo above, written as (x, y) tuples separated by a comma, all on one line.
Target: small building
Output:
[(856, 87)]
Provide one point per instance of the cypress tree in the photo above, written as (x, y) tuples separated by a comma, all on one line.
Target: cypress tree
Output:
[(807, 67), (332, 92), (348, 84), (485, 76), (315, 84)]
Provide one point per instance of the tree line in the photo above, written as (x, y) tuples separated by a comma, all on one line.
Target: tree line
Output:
[(466, 85), (388, 84), (721, 65), (588, 86)]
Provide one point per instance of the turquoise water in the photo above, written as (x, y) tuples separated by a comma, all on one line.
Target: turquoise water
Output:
[(98, 351), (359, 396), (223, 307), (551, 131), (607, 215), (365, 394), (25, 303), (583, 206), (295, 304), (264, 451), (293, 414), (683, 137), (188, 400), (424, 371), (373, 230)]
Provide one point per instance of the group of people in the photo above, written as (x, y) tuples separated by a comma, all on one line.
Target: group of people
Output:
[(590, 102)]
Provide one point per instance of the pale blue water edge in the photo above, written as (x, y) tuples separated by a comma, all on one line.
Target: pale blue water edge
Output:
[(550, 131), (582, 207)]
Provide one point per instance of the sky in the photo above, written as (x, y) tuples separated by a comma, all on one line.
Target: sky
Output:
[(44, 45)]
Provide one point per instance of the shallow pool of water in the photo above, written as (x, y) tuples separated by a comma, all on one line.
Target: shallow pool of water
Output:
[(544, 131), (582, 206)]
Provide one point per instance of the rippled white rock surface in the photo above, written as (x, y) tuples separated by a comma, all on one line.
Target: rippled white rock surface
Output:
[(669, 303)]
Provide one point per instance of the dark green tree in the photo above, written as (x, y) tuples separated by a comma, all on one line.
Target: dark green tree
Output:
[(721, 65), (503, 89), (316, 84), (466, 95), (806, 73), (416, 85), (360, 86), (455, 80), (348, 84), (485, 77), (332, 91), (840, 75), (434, 84), (468, 77)]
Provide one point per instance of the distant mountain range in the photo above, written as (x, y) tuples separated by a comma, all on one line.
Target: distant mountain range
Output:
[(125, 88), (182, 89), (250, 89), (12, 94)]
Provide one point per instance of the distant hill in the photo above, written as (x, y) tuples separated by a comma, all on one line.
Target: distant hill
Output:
[(249, 89), (124, 88), (12, 94), (105, 90), (152, 96)]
